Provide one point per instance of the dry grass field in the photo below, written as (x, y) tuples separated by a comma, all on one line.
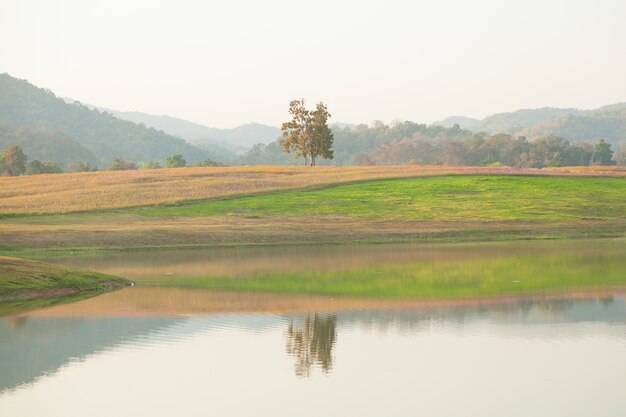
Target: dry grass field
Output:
[(74, 192), (99, 210)]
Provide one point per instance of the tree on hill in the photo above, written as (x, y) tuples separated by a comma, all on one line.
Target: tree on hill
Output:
[(47, 167), (151, 165), (307, 133), (209, 163), (175, 161), (85, 167), (121, 165), (603, 155), (14, 160)]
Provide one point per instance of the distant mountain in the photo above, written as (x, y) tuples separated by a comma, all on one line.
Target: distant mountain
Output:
[(236, 139), (612, 110), (46, 145), (246, 135), (608, 122), (581, 128), (462, 121), (339, 125), (180, 128), (101, 134), (515, 121)]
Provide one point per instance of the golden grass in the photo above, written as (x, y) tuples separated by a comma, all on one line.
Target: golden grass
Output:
[(124, 231), (104, 190)]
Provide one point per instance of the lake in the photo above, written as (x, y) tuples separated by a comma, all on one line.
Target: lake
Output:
[(170, 346)]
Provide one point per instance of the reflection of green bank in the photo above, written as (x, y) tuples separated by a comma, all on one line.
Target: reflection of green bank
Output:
[(464, 272), (16, 306)]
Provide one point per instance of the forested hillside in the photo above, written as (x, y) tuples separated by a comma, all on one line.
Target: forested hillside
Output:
[(48, 128), (102, 135), (607, 122), (412, 143), (46, 145), (578, 128), (351, 144)]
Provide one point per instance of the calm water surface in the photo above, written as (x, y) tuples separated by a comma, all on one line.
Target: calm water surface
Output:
[(172, 351)]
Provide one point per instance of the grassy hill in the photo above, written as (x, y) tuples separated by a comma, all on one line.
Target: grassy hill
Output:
[(26, 284), (270, 205), (110, 190), (101, 134), (440, 198)]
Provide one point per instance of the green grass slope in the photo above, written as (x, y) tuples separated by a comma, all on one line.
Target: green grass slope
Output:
[(447, 198), (29, 284)]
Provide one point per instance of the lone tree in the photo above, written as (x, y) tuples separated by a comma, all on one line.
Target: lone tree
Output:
[(14, 160), (603, 154), (307, 134), (175, 161)]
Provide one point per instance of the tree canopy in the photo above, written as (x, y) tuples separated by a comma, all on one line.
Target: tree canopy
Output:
[(307, 133), (175, 161), (602, 154), (14, 160)]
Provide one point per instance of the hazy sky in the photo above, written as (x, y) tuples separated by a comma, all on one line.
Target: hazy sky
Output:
[(230, 62)]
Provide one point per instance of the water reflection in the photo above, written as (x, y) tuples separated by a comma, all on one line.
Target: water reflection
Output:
[(33, 347), (42, 343), (310, 340), (393, 271)]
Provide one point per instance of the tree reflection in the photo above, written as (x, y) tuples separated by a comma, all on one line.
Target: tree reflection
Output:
[(310, 340)]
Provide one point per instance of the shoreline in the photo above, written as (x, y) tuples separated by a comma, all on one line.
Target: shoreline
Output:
[(26, 284)]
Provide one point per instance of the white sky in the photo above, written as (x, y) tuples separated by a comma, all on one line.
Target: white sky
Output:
[(224, 63)]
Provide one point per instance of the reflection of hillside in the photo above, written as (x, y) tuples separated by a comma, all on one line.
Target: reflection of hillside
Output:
[(39, 343), (310, 340), (524, 312), (33, 347)]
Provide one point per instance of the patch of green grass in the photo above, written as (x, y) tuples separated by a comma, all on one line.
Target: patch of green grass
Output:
[(447, 198), (22, 280)]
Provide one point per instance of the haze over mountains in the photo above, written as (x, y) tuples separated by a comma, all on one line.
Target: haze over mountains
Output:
[(232, 141), (78, 132), (68, 132), (240, 138), (607, 122)]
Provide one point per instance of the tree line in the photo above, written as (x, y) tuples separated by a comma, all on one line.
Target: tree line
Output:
[(14, 162), (490, 150), (414, 143)]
